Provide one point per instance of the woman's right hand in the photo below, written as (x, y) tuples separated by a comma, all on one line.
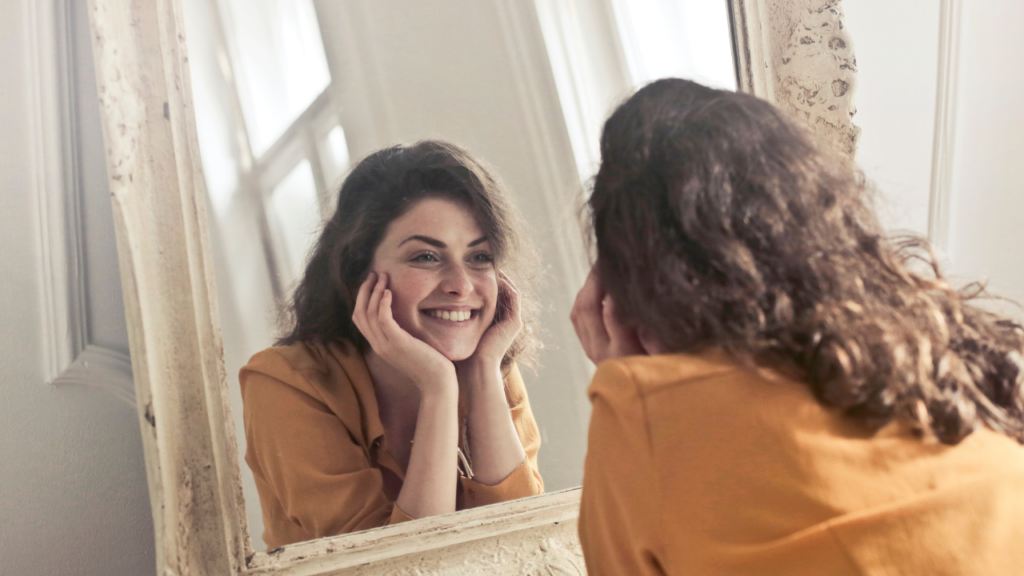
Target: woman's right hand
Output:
[(428, 369), (599, 330)]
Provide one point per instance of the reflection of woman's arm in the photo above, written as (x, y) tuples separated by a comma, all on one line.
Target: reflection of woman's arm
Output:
[(495, 445), (429, 488)]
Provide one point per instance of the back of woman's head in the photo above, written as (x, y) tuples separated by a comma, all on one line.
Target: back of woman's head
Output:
[(720, 222), (381, 188)]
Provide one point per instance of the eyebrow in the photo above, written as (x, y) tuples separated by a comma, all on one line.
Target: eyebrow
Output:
[(437, 243)]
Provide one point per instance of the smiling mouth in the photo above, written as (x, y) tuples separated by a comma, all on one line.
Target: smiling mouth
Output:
[(452, 315)]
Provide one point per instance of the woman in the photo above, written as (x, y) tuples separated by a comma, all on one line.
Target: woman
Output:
[(780, 389), (396, 395)]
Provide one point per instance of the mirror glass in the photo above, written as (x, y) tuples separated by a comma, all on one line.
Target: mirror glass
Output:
[(290, 94)]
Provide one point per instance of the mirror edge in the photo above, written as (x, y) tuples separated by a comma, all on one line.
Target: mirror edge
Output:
[(798, 54), (157, 193)]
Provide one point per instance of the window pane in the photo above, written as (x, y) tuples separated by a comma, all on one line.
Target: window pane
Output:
[(279, 63), (294, 212), (337, 149)]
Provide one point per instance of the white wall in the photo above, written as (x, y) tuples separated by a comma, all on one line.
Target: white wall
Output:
[(897, 65), (897, 47), (73, 492), (988, 167)]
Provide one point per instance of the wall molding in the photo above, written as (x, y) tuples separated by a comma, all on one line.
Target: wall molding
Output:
[(68, 356), (940, 197)]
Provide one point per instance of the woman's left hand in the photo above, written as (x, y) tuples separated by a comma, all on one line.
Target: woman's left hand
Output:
[(599, 330), (499, 336)]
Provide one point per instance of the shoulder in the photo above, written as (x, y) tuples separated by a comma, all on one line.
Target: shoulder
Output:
[(304, 365), (641, 376)]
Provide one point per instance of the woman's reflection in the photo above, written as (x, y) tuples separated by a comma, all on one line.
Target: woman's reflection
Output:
[(395, 393)]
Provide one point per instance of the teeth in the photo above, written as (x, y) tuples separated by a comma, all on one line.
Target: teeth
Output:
[(455, 315)]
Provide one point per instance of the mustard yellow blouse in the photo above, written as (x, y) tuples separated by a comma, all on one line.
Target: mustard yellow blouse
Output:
[(697, 467), (316, 445)]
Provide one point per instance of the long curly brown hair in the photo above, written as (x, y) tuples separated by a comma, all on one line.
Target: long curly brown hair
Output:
[(382, 187), (721, 222)]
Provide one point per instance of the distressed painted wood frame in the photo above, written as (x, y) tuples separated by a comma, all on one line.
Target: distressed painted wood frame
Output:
[(796, 53)]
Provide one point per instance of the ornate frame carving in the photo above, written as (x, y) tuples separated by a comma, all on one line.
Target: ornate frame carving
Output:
[(794, 52)]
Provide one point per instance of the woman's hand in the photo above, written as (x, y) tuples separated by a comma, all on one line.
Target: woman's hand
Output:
[(499, 336), (599, 331), (417, 360)]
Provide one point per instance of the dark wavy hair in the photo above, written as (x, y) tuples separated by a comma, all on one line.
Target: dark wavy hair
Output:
[(381, 188), (721, 222)]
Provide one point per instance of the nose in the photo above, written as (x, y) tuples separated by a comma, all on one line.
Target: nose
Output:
[(455, 281)]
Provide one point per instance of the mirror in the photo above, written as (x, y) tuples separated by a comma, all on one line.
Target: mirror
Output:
[(561, 70), (290, 94)]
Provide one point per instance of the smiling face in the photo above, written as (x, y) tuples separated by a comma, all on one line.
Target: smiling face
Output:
[(441, 275)]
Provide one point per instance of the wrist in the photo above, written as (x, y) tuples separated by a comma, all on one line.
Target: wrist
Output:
[(440, 393), (441, 384), (479, 373), (478, 365)]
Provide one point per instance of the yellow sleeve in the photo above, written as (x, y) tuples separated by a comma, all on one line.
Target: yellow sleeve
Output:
[(525, 480), (619, 519), (309, 470)]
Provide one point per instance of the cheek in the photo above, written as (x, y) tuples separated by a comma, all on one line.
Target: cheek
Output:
[(487, 286), (408, 288)]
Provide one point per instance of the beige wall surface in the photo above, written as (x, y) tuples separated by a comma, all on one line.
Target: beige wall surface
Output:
[(73, 492), (897, 45), (988, 167)]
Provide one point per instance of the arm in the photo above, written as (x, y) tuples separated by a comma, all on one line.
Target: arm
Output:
[(500, 434), (496, 448), (429, 486)]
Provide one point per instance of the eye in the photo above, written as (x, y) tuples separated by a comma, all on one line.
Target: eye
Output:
[(481, 258), (425, 258)]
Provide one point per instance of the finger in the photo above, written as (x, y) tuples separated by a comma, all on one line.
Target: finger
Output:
[(373, 308), (587, 299), (362, 297), (385, 319), (623, 340), (592, 333), (512, 311), (391, 330), (583, 311)]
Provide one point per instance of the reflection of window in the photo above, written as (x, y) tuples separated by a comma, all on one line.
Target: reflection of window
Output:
[(601, 50), (294, 217), (682, 38), (278, 61), (268, 128)]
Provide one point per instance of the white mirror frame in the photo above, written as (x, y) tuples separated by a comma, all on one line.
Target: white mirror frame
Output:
[(795, 53)]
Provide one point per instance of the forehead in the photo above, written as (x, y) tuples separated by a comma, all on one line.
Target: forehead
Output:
[(443, 219)]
